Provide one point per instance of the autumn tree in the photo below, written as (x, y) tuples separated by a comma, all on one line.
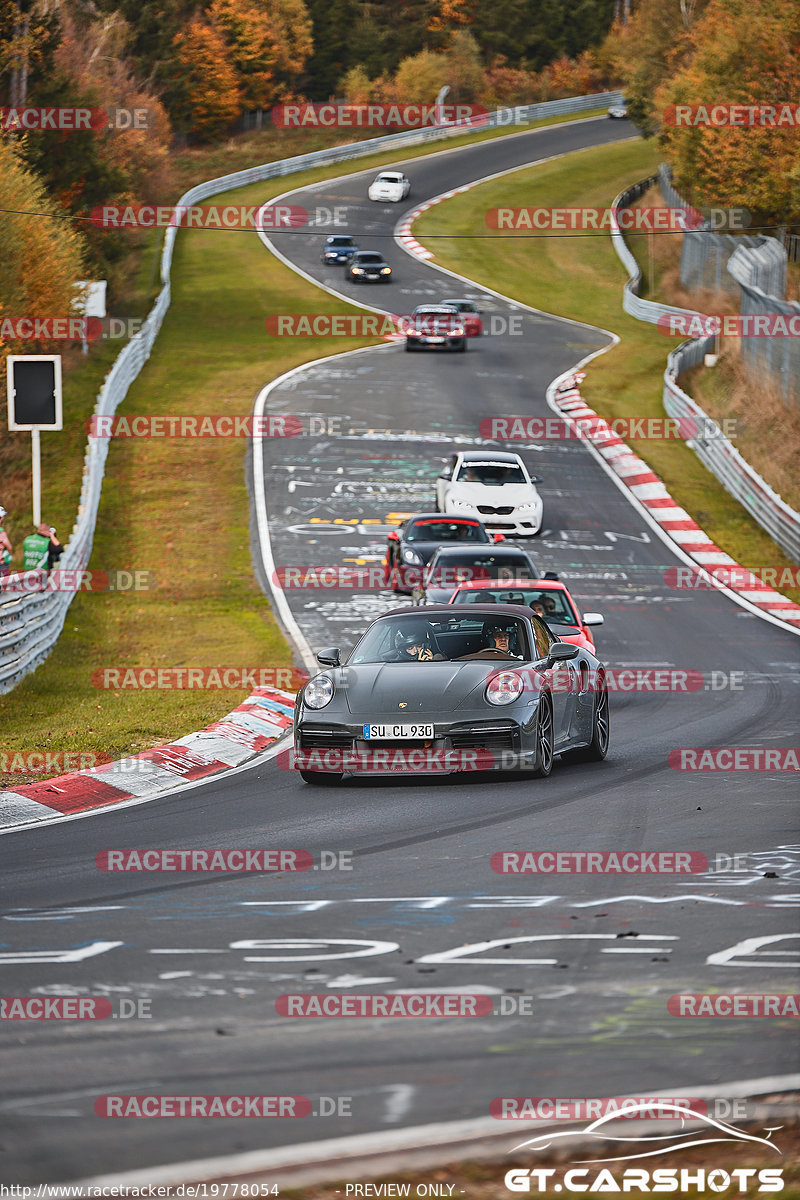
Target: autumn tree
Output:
[(649, 50), (744, 53), (268, 45), (41, 255), (205, 89)]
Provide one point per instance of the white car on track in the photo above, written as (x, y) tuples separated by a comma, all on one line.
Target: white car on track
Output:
[(493, 486), (389, 185)]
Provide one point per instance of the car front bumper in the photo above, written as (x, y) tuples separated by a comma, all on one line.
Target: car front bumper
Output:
[(472, 742)]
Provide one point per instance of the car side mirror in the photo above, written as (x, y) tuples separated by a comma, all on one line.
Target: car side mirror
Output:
[(550, 575), (536, 479), (499, 537), (329, 657), (591, 618), (562, 652)]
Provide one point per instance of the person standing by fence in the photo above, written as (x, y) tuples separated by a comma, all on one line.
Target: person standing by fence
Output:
[(41, 549), (6, 549)]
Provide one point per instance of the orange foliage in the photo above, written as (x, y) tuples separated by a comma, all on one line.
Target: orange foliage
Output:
[(211, 88), (269, 45)]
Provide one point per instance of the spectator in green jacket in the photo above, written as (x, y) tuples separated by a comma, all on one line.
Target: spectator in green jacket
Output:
[(41, 549)]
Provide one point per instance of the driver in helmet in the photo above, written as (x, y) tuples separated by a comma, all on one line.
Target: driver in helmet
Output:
[(416, 643), (499, 636)]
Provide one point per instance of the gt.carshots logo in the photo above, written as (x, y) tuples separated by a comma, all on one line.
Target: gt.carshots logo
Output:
[(594, 1175)]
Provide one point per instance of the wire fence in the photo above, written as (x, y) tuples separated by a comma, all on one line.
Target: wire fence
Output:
[(718, 454)]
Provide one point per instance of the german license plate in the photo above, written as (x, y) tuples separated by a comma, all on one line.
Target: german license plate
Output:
[(433, 341), (390, 733)]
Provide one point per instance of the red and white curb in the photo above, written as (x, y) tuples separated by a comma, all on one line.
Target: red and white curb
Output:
[(255, 724), (403, 232), (650, 491)]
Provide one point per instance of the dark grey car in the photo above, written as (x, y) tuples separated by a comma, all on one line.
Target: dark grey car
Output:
[(438, 689)]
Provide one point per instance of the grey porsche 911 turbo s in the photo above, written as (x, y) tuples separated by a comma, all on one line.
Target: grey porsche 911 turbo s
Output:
[(437, 689)]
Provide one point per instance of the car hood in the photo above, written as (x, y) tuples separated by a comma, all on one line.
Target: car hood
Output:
[(426, 550), (496, 496), (376, 690)]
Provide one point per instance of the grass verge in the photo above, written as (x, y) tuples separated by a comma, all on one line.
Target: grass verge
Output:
[(178, 509), (580, 276)]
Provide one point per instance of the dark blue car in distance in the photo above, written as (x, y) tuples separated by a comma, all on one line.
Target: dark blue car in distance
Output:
[(338, 249)]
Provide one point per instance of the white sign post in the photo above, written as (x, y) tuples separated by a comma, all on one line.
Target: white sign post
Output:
[(34, 403)]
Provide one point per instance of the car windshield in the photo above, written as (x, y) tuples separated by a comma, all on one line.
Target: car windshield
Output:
[(493, 474), (388, 179), (449, 570), (340, 241), (446, 531), (369, 258), (465, 306), (552, 604), (457, 638)]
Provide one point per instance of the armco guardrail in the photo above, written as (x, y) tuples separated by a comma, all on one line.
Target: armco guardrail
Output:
[(780, 521), (30, 623), (632, 302), (718, 454)]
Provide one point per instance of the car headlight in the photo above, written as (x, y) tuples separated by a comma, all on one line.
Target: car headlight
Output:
[(462, 504), (411, 556), (318, 692), (504, 688), (357, 271), (386, 270), (529, 504)]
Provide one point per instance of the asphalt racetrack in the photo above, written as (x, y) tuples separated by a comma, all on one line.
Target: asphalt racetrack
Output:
[(597, 956)]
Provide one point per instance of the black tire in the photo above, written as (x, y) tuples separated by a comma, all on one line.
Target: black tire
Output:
[(462, 349), (409, 348), (322, 778), (601, 730), (544, 739)]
